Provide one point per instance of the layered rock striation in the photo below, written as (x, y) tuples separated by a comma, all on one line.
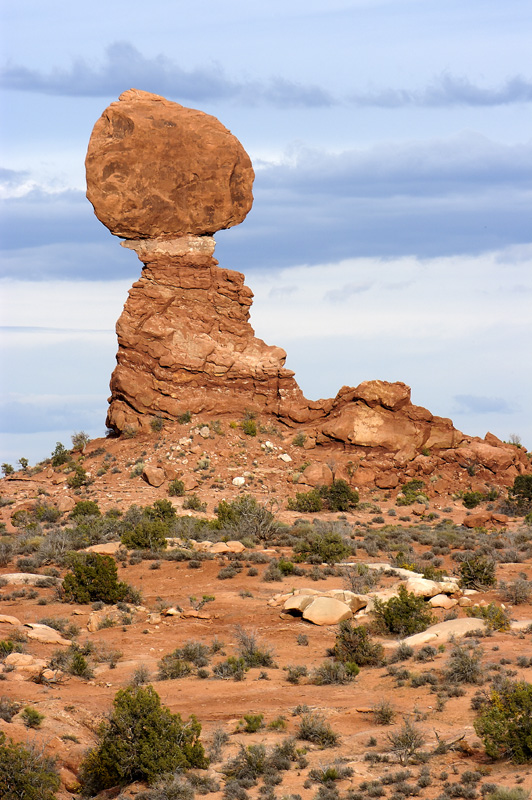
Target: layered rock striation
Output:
[(165, 178)]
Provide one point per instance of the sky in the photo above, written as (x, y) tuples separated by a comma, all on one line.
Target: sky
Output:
[(390, 233)]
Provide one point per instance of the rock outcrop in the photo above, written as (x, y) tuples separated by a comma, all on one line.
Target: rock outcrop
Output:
[(165, 178)]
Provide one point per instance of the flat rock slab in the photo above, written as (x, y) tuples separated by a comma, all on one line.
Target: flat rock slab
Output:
[(442, 632), (9, 620), (107, 548), (44, 634), (27, 578)]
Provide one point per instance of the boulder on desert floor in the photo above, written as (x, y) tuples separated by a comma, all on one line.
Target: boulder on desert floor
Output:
[(442, 632), (9, 620), (442, 601), (27, 578), (327, 611), (44, 634)]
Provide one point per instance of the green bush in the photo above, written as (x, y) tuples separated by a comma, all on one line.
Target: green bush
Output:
[(464, 665), (334, 672), (472, 499), (148, 534), (411, 492), (141, 740), (8, 469), (176, 488), (522, 488), (193, 503), (354, 644), (78, 478), (93, 577), (505, 723), (318, 547), (31, 717), (477, 572), (245, 517), (60, 455), (339, 496), (306, 502), (85, 508), (403, 615), (315, 728), (249, 427), (494, 616), (25, 773)]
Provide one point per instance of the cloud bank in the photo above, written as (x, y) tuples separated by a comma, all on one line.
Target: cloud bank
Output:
[(124, 65)]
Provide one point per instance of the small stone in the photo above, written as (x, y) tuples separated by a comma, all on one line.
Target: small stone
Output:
[(205, 432), (285, 457), (238, 481)]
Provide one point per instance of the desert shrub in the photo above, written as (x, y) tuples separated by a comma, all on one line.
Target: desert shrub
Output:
[(8, 469), (78, 478), (334, 672), (505, 723), (411, 492), (141, 740), (318, 547), (403, 615), (249, 763), (472, 499), (6, 553), (251, 651), (8, 646), (355, 645), (31, 717), (25, 772), (313, 727), (406, 742), (402, 653), (464, 665), (149, 534), (477, 572), (93, 577), (295, 673), (251, 723), (360, 579), (85, 508), (522, 487), (44, 512), (506, 793), (193, 503), (230, 669), (245, 517), (517, 592), (172, 666), (169, 787), (176, 488), (329, 774), (8, 708), (383, 713), (306, 502), (339, 496), (494, 616), (60, 455), (249, 426)]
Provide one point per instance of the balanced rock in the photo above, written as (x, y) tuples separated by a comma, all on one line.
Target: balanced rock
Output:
[(155, 168), (165, 178)]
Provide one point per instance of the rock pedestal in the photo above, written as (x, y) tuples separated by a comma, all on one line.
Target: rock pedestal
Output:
[(165, 178)]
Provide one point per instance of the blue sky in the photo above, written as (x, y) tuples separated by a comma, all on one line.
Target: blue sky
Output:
[(390, 234)]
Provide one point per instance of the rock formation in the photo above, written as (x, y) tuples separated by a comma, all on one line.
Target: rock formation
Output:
[(165, 178)]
